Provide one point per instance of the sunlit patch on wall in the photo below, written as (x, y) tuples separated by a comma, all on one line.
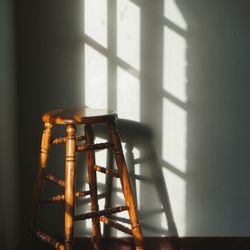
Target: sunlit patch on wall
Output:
[(101, 159), (174, 135), (128, 95), (95, 20), (172, 13), (164, 222), (128, 32), (174, 72), (177, 194), (174, 117), (95, 78)]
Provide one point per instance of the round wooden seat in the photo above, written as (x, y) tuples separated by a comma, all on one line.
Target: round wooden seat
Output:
[(78, 116)]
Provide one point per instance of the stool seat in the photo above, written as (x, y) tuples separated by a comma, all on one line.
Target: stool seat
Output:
[(78, 116)]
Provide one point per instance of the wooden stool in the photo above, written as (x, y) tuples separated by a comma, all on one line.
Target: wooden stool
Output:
[(88, 117)]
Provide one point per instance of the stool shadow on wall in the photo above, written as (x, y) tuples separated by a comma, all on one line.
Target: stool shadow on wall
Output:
[(146, 177)]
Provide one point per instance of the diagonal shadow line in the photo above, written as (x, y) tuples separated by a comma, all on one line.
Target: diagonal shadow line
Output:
[(137, 2), (151, 212), (173, 169), (140, 178), (174, 27), (116, 60), (175, 100)]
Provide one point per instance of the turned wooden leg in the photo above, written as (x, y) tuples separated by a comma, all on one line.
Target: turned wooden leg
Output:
[(69, 187), (96, 232), (45, 144), (126, 186)]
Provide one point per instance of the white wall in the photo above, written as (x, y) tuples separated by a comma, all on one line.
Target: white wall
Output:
[(8, 140), (177, 73)]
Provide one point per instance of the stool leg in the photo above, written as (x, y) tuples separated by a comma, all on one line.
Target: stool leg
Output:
[(96, 232), (69, 187), (126, 186), (45, 144)]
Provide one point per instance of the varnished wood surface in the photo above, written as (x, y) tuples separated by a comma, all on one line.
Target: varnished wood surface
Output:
[(126, 186), (44, 151), (69, 192), (78, 116), (96, 229), (115, 225)]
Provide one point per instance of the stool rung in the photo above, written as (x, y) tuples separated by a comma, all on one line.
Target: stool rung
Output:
[(115, 225), (96, 146), (80, 137), (60, 140), (106, 171), (100, 213), (56, 180), (48, 239), (60, 197)]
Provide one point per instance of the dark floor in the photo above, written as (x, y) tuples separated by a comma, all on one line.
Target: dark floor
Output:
[(192, 243)]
